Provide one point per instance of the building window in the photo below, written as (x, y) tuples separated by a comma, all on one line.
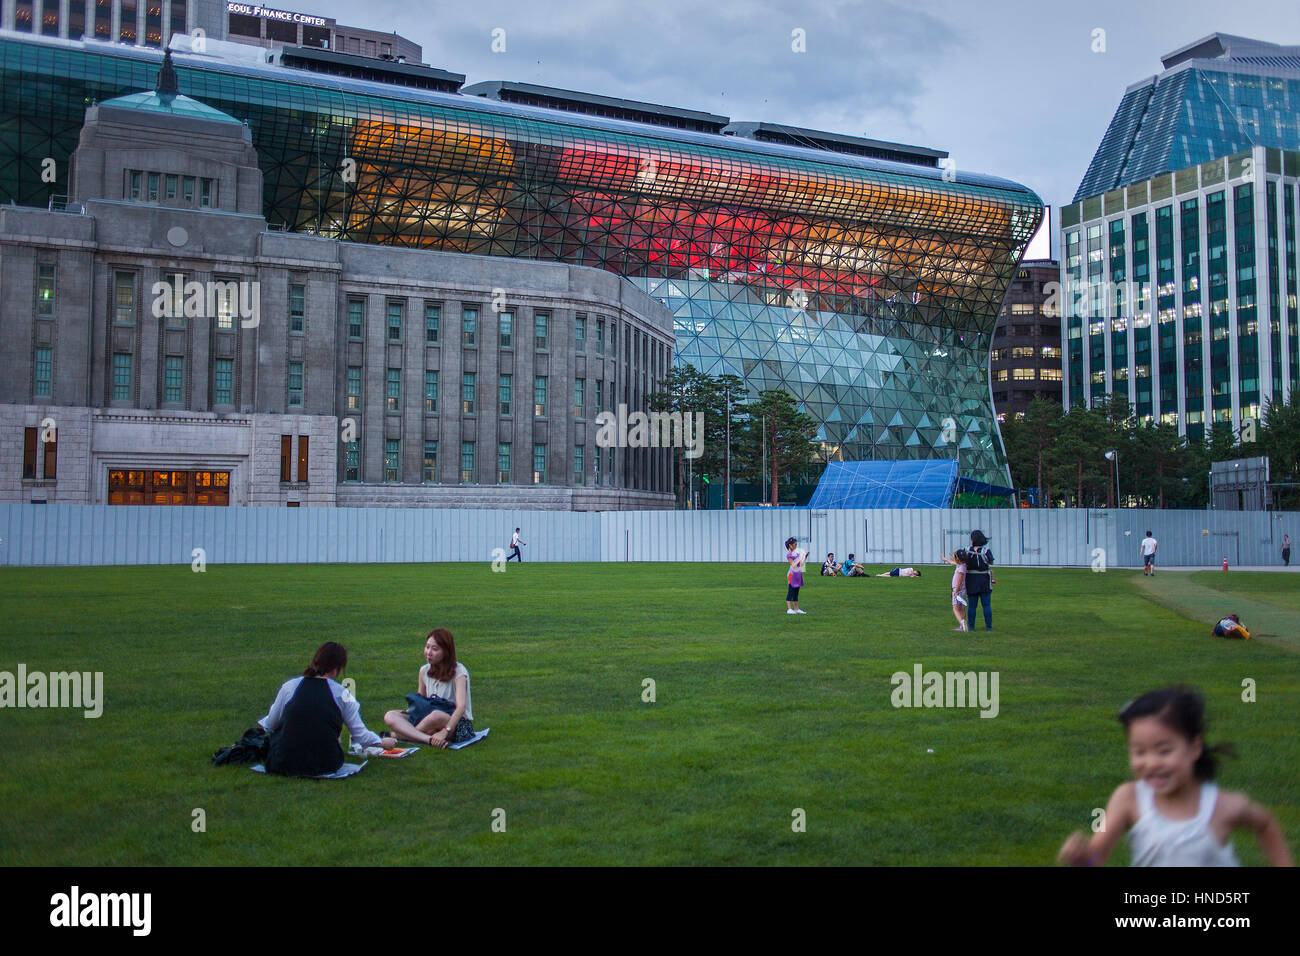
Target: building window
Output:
[(595, 468), (539, 464), (51, 458), (539, 396), (124, 298), (303, 445), (352, 461), (600, 389), (613, 338), (466, 462), (225, 296), (432, 313), (469, 327), (609, 472), (1022, 375), (1054, 374), (153, 187), (467, 393), (295, 384), (1023, 351), (223, 379), (504, 386), (507, 329), (600, 336), (137, 185), (431, 392), (354, 388), (393, 390), (44, 372), (578, 467), (1000, 375), (121, 377), (579, 397), (286, 451), (396, 313), (207, 193), (356, 317), (45, 290), (29, 452), (540, 323), (187, 189), (174, 379), (430, 462), (503, 463), (580, 333), (297, 307), (392, 458), (169, 190), (1051, 351)]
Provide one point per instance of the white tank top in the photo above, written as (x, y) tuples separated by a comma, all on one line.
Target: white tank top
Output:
[(1158, 841)]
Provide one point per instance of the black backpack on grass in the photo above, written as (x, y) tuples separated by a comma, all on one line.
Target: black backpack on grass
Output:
[(253, 747)]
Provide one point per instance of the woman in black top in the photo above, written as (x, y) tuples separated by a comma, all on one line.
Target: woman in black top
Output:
[(979, 580), (307, 715)]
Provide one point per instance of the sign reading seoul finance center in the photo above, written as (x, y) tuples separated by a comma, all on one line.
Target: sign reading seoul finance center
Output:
[(267, 13)]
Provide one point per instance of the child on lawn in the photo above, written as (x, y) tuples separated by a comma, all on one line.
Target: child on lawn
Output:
[(1174, 813), (794, 576)]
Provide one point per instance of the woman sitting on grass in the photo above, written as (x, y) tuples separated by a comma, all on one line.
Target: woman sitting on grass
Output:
[(307, 715), (440, 713)]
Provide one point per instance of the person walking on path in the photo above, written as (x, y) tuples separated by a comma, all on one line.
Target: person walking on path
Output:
[(515, 542), (1148, 549), (1286, 550)]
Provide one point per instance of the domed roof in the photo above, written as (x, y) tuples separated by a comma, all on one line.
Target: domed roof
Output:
[(170, 104)]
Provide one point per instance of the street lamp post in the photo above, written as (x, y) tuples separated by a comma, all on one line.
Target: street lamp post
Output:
[(726, 487), (1114, 456)]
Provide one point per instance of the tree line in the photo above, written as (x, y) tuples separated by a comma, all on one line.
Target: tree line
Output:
[(765, 428), (1063, 455)]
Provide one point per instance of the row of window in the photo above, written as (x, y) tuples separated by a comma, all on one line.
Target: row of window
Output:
[(1027, 351), (97, 21), (148, 186), (32, 446), (393, 459), (226, 297), (1028, 374), (122, 379), (468, 392)]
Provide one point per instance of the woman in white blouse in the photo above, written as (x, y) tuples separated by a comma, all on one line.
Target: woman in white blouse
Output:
[(307, 715), (440, 712)]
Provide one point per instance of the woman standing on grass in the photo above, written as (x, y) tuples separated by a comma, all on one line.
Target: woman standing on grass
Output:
[(1175, 814), (307, 715), (794, 576), (440, 712)]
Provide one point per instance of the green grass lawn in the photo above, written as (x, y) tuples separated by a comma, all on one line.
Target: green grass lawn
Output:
[(757, 713)]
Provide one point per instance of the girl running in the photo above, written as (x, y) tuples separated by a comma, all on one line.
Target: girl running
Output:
[(1174, 814), (794, 576)]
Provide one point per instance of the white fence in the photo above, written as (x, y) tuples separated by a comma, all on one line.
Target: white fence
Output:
[(106, 535)]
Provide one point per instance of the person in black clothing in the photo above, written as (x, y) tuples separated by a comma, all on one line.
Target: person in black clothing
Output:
[(308, 714), (979, 580)]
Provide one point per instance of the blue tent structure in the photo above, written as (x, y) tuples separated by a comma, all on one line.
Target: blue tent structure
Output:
[(886, 484)]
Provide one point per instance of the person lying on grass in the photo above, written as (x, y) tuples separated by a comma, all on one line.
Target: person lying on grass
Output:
[(900, 573), (307, 715), (439, 712), (1174, 813)]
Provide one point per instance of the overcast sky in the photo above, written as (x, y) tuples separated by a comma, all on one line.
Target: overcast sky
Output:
[(1009, 88)]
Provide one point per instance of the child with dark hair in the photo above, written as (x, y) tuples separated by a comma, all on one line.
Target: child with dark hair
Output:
[(958, 561), (794, 576), (308, 714), (1175, 815)]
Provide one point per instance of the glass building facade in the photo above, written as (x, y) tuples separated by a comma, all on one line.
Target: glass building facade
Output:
[(1190, 201), (867, 289), (1207, 330)]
